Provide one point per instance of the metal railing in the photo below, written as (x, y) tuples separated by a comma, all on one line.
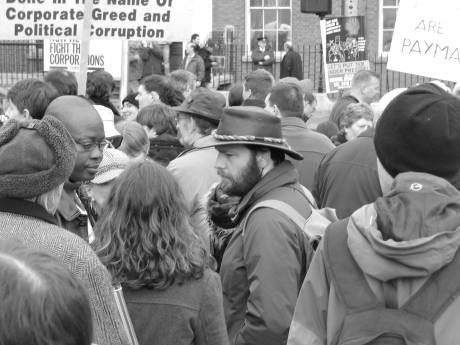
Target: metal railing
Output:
[(20, 60), (24, 59)]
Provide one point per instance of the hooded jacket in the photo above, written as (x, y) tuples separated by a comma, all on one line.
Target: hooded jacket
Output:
[(261, 271), (405, 236)]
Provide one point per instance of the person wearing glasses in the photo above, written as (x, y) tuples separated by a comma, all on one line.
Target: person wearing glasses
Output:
[(85, 126)]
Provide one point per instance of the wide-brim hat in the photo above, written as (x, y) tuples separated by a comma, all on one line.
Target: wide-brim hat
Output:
[(203, 103), (248, 125), (36, 156)]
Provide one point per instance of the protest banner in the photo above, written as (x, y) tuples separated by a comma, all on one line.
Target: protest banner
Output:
[(344, 50), (165, 20), (103, 54), (426, 40)]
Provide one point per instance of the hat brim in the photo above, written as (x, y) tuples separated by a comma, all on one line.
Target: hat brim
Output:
[(180, 109), (216, 143)]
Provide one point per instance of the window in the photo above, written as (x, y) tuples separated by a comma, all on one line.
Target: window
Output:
[(271, 18), (388, 10)]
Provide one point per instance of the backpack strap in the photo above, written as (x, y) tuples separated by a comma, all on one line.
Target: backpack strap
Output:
[(296, 218), (348, 278), (281, 206), (437, 293)]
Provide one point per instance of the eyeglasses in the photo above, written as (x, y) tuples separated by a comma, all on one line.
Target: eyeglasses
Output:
[(90, 146)]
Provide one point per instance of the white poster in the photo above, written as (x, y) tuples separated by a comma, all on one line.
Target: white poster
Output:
[(103, 54), (160, 20), (426, 39)]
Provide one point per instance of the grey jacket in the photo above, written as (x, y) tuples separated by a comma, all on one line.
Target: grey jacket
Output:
[(31, 225)]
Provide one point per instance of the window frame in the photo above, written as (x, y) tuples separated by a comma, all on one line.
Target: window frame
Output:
[(380, 26), (278, 53)]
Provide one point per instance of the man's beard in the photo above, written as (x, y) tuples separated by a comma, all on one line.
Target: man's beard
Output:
[(245, 181)]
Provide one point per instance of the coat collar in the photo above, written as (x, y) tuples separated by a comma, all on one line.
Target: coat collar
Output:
[(293, 121), (26, 208)]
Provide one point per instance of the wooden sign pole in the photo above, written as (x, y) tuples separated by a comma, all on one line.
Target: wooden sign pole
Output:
[(84, 48)]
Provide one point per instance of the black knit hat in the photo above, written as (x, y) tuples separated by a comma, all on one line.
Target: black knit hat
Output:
[(36, 156), (420, 131), (131, 98)]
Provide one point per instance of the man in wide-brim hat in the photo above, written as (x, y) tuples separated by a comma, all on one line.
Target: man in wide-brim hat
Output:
[(272, 257)]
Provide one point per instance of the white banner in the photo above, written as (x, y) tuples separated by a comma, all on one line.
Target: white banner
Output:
[(103, 54), (160, 20), (426, 39)]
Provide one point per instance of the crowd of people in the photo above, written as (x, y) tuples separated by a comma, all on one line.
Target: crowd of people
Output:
[(224, 218)]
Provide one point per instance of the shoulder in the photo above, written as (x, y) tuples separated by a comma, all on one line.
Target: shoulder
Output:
[(67, 247)]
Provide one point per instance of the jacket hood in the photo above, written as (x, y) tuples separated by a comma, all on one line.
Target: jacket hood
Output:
[(411, 232)]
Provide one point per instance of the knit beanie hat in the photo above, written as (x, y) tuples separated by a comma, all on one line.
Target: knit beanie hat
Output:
[(36, 156), (131, 98), (420, 131)]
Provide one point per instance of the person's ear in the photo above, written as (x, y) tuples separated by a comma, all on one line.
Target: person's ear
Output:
[(263, 159), (26, 114)]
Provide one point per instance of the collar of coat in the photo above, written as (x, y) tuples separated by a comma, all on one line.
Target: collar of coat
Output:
[(26, 208)]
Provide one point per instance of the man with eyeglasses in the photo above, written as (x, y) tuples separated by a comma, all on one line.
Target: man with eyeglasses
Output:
[(86, 128), (196, 118)]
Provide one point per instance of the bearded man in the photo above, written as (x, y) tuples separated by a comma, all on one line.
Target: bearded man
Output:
[(267, 255)]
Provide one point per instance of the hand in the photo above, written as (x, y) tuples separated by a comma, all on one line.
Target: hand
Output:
[(267, 57), (261, 63)]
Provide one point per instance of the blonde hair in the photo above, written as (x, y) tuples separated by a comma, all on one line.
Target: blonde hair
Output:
[(135, 139)]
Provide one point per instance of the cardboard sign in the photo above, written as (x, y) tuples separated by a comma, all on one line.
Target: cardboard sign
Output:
[(344, 50), (161, 20), (426, 39), (66, 54)]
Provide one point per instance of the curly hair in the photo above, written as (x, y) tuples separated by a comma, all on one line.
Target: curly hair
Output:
[(145, 237), (100, 85)]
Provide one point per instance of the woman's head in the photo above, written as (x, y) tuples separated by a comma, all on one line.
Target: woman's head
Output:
[(144, 236), (100, 85), (157, 119), (130, 107), (356, 119), (135, 140)]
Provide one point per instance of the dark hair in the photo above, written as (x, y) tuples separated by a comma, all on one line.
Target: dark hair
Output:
[(363, 77), (159, 84), (277, 156), (99, 88), (288, 98), (158, 116), (182, 80), (145, 235), (194, 46), (64, 82), (235, 95), (33, 95), (100, 85), (260, 83), (41, 302)]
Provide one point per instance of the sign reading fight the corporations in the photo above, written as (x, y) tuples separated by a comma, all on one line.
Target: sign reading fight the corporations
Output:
[(103, 54), (426, 39), (164, 20), (344, 50)]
